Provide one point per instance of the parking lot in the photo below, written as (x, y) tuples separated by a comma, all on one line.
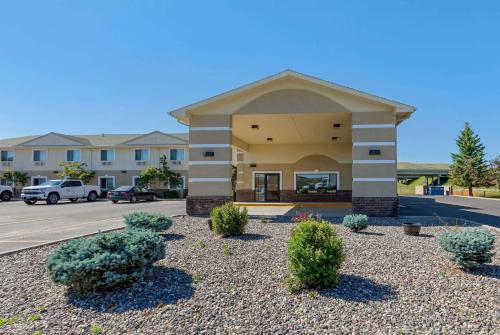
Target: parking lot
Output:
[(24, 226)]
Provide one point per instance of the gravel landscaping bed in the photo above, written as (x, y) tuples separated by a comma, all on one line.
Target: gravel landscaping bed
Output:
[(390, 284)]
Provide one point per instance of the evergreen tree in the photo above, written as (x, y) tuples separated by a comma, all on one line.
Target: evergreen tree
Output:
[(469, 168)]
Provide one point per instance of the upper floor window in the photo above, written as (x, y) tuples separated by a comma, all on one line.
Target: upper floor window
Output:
[(40, 155), (107, 155), (7, 156), (73, 155), (141, 154), (176, 154)]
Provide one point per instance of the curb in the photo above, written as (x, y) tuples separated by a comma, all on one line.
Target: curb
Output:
[(465, 196), (10, 252)]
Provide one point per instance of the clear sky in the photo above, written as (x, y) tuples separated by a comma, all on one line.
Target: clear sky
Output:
[(88, 67)]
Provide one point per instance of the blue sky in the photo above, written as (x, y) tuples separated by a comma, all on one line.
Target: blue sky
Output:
[(85, 67)]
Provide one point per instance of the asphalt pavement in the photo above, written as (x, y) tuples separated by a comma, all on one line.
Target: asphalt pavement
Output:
[(484, 211), (23, 226)]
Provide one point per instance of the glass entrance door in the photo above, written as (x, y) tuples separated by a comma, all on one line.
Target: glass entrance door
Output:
[(267, 187)]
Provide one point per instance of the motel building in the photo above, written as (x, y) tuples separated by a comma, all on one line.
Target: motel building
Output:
[(294, 138)]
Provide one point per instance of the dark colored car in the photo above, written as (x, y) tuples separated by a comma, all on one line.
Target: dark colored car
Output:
[(131, 194)]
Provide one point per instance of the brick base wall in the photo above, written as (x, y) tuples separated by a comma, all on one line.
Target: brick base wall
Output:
[(197, 205), (375, 206), (292, 196)]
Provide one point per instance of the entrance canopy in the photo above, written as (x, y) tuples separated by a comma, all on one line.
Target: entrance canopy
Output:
[(294, 137)]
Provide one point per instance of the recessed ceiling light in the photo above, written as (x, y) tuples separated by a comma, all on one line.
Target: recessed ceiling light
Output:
[(255, 126), (269, 139)]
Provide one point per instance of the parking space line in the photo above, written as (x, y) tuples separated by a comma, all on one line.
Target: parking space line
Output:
[(31, 220), (61, 228)]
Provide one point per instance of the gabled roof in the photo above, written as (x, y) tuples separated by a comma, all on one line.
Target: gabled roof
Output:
[(159, 138), (399, 106), (98, 140), (73, 139)]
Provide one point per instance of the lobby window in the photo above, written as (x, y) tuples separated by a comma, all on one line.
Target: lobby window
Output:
[(73, 155), (107, 155), (141, 154), (7, 155), (40, 155), (176, 154), (316, 182)]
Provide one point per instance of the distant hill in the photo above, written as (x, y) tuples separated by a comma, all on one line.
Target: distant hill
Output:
[(423, 166)]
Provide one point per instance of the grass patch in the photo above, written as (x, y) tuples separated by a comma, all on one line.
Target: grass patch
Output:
[(226, 250), (33, 317), (196, 277), (9, 321), (95, 329)]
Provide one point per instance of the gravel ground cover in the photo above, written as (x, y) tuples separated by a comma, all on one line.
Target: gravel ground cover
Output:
[(390, 284)]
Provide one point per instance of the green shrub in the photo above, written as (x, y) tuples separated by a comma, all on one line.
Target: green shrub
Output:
[(105, 260), (314, 254), (355, 222), (228, 220), (468, 248), (150, 221)]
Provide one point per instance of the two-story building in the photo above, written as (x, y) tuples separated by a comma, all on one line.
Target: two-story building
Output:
[(288, 137), (117, 159)]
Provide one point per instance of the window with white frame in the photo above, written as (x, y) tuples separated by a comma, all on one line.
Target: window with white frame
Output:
[(107, 155), (5, 182), (316, 182), (73, 155), (136, 180), (179, 185), (107, 182), (176, 154), (141, 154), (38, 180), (40, 155), (7, 155)]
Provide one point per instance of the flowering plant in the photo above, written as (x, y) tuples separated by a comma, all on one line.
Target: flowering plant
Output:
[(303, 216)]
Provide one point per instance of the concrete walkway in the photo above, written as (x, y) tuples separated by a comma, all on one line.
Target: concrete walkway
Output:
[(291, 209)]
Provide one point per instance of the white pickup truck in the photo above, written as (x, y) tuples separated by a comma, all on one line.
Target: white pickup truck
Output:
[(6, 193), (54, 190)]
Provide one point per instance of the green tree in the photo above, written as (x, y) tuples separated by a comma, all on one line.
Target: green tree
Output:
[(76, 170), (469, 168), (153, 176), (495, 171), (15, 178)]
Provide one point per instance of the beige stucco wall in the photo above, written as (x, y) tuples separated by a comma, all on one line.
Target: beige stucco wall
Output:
[(124, 158), (306, 164), (367, 175), (208, 179), (291, 153), (233, 103), (121, 178)]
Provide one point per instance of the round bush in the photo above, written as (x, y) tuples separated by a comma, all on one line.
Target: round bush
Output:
[(468, 248), (315, 254), (355, 222), (105, 260), (150, 221), (228, 220)]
